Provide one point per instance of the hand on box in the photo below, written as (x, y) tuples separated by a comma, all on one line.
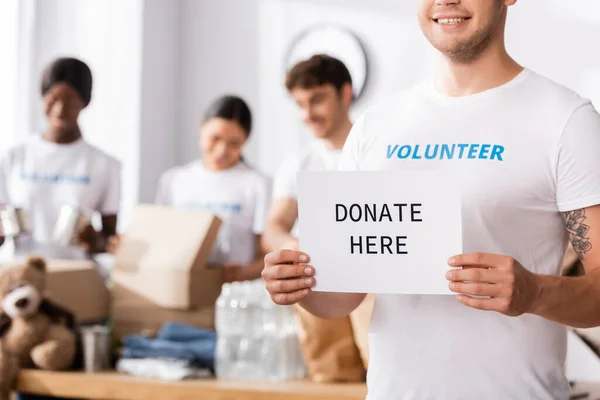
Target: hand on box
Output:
[(288, 278), (93, 241), (88, 238)]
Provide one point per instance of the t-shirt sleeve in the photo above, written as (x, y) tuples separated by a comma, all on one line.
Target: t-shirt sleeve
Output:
[(285, 184), (263, 200), (578, 163), (351, 154), (112, 197), (163, 192)]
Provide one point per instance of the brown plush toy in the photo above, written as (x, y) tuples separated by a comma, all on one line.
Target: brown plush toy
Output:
[(33, 331)]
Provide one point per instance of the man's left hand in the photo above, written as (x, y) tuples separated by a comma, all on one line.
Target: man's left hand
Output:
[(493, 282)]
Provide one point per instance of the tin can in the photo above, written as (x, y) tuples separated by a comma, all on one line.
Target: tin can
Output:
[(13, 221), (96, 348), (70, 222)]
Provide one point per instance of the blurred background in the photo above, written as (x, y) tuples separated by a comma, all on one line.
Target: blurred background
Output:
[(157, 65)]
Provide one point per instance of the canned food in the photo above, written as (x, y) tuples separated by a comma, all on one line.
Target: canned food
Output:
[(13, 221), (70, 222)]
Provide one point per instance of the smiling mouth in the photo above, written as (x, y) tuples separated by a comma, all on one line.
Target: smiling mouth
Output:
[(451, 21)]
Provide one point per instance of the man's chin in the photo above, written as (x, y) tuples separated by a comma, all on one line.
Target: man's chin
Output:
[(225, 164), (62, 128), (320, 134)]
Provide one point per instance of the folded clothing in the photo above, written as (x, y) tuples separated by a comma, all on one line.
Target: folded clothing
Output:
[(164, 369), (175, 341)]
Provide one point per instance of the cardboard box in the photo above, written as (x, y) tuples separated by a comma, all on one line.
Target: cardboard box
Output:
[(163, 257), (78, 286), (134, 314)]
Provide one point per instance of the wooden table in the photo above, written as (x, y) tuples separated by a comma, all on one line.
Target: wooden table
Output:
[(114, 386)]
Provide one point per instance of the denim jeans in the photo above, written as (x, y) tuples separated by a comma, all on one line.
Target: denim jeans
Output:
[(175, 341)]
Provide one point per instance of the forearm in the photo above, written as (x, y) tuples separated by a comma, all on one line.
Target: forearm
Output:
[(276, 237), (331, 305), (572, 301), (109, 229)]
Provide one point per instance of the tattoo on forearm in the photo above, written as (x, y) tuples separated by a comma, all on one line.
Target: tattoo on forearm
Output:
[(578, 230)]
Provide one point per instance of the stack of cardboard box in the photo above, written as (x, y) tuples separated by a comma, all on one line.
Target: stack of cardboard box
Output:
[(78, 286), (161, 273)]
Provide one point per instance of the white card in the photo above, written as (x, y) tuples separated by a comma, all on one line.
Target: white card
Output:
[(380, 231)]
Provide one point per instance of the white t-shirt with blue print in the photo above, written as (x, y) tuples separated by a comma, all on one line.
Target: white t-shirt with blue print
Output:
[(239, 196), (521, 154), (40, 177)]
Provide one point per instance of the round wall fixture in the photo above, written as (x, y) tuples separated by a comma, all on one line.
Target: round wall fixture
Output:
[(336, 42)]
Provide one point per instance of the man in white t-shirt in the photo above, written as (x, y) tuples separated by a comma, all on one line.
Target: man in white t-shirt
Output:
[(524, 152), (322, 88)]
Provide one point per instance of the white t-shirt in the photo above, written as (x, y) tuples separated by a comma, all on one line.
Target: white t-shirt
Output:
[(40, 177), (239, 196), (316, 157), (521, 154)]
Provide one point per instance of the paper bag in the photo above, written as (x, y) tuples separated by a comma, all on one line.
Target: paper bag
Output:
[(361, 320), (329, 350)]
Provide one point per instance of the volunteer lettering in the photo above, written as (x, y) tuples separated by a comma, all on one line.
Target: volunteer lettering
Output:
[(381, 213), (458, 151)]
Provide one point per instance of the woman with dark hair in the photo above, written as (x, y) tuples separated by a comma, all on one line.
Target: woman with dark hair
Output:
[(59, 168), (220, 182)]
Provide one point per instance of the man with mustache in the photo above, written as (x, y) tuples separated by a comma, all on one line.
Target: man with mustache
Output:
[(503, 336)]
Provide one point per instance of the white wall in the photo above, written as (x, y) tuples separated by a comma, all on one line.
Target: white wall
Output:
[(219, 42), (160, 101), (550, 36), (9, 12)]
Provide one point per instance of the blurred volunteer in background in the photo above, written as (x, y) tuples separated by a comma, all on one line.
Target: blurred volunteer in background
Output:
[(222, 183), (59, 168), (322, 88)]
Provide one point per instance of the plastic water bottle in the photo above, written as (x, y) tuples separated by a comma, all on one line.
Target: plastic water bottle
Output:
[(223, 356), (256, 338)]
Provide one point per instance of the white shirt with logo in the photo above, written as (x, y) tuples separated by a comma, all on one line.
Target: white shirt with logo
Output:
[(521, 154), (41, 177), (239, 196)]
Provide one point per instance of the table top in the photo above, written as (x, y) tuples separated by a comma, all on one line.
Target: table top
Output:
[(115, 386)]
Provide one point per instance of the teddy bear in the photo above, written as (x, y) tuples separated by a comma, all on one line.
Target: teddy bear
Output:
[(34, 332)]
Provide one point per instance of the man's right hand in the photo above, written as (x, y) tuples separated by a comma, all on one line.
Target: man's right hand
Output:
[(288, 278)]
